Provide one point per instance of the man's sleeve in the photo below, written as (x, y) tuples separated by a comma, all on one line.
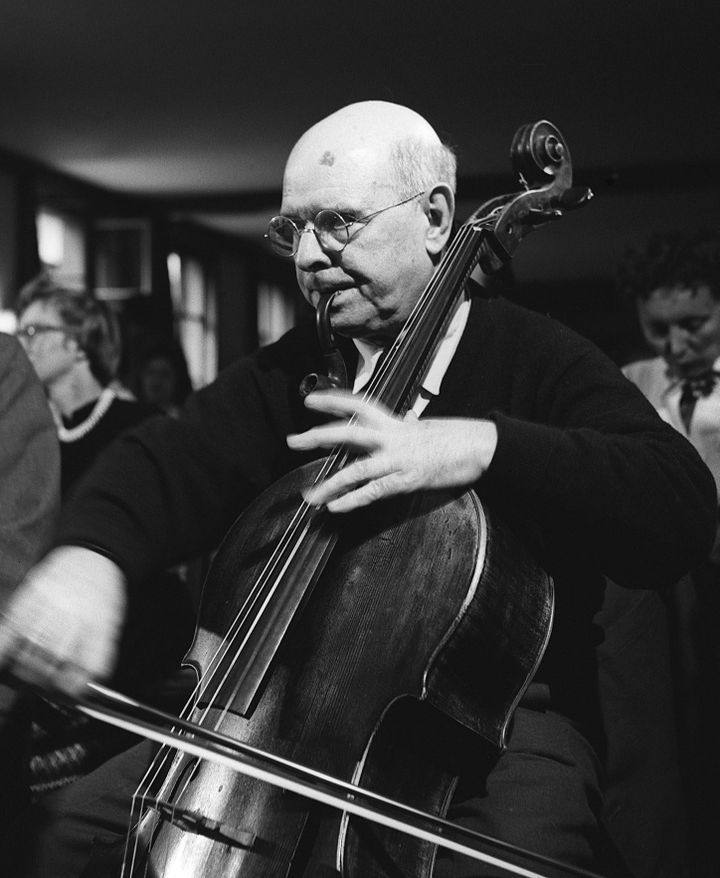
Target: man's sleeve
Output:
[(29, 467)]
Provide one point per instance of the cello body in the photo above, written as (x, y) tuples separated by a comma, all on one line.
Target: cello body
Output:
[(419, 600)]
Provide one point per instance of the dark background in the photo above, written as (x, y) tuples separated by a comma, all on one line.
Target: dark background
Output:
[(183, 112)]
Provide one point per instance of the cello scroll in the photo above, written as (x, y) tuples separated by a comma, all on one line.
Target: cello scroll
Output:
[(541, 159)]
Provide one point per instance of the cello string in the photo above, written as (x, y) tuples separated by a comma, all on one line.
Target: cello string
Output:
[(418, 317), (288, 545), (269, 579), (469, 237), (158, 763), (140, 801), (461, 265), (301, 516)]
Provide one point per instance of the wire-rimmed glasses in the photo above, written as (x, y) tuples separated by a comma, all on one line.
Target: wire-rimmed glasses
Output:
[(32, 330), (331, 229)]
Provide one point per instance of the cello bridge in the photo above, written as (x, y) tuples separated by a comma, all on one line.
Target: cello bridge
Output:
[(200, 824)]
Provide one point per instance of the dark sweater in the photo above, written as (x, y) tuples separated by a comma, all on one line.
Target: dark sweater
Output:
[(78, 456)]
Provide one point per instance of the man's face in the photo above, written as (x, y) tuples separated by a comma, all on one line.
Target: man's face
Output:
[(50, 349), (683, 326), (384, 267)]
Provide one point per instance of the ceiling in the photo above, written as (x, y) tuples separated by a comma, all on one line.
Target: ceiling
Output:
[(200, 102)]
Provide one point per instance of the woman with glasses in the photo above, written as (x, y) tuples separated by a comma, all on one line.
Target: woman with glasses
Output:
[(73, 341)]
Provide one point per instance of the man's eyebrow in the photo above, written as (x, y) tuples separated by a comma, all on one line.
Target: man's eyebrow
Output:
[(343, 208)]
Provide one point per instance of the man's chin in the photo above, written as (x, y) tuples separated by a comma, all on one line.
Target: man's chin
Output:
[(357, 319), (349, 320)]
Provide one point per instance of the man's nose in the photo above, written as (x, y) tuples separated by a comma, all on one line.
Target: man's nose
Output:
[(309, 252), (677, 340)]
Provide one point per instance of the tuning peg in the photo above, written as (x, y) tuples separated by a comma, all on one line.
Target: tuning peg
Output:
[(576, 196), (536, 216)]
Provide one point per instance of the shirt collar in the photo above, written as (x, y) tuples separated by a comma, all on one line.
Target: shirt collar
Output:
[(675, 382), (369, 354)]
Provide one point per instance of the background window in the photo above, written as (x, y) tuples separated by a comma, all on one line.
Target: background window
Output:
[(61, 247), (276, 311), (195, 314)]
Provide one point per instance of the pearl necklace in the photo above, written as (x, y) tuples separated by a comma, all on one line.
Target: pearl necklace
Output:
[(72, 434)]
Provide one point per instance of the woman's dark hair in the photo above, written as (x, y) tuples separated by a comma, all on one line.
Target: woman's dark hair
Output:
[(93, 323), (669, 260)]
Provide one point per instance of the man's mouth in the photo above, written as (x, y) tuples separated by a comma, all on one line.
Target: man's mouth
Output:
[(333, 292)]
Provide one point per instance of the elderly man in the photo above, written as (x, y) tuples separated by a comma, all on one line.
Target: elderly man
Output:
[(515, 406)]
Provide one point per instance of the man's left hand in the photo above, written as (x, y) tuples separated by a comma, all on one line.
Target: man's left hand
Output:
[(396, 455)]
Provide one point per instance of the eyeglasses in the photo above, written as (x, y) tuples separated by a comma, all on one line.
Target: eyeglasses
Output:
[(331, 229), (34, 329)]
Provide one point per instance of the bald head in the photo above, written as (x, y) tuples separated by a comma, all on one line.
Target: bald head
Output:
[(395, 144), (370, 124)]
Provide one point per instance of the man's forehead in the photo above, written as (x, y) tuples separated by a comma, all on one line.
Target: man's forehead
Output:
[(326, 177), (349, 157)]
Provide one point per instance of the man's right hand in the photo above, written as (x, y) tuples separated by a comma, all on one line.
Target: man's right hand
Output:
[(61, 628)]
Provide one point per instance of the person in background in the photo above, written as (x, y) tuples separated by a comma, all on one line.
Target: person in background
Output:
[(73, 341), (674, 284), (29, 503), (569, 455), (162, 375)]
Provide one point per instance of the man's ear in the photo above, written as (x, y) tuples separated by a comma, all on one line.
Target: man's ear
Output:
[(440, 210)]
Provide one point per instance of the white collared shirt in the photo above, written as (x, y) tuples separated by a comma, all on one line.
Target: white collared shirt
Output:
[(369, 354), (664, 392)]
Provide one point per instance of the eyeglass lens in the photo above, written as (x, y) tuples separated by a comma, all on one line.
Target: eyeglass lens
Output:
[(33, 329), (328, 226)]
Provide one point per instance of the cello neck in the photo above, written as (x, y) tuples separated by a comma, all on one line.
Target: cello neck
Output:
[(396, 382)]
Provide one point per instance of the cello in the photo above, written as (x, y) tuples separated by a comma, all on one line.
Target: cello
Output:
[(298, 648)]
